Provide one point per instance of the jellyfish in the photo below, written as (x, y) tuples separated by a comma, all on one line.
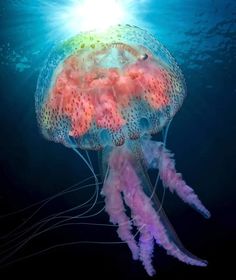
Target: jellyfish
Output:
[(112, 91)]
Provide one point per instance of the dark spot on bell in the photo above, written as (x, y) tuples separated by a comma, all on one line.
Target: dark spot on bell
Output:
[(144, 56)]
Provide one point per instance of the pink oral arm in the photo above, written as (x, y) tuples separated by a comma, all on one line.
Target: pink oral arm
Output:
[(157, 156)]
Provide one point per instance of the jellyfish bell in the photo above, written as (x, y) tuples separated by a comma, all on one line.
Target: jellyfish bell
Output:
[(106, 83), (109, 91)]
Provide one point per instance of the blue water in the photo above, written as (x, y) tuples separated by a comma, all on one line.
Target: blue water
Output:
[(201, 35)]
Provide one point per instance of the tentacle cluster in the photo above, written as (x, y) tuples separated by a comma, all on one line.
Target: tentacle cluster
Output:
[(123, 181)]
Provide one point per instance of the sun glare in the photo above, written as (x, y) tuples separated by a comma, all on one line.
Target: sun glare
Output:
[(75, 16), (94, 14)]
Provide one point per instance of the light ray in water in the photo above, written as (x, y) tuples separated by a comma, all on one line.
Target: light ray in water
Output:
[(36, 26)]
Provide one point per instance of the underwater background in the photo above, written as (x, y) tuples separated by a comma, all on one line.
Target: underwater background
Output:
[(201, 35)]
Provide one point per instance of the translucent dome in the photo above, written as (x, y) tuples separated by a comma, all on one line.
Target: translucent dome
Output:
[(105, 88)]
